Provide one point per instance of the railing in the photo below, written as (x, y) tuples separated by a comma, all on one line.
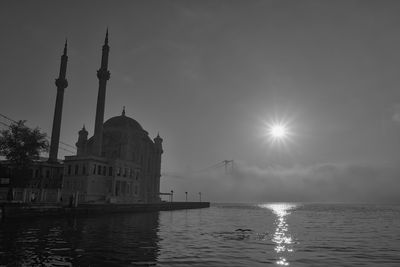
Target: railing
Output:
[(27, 195)]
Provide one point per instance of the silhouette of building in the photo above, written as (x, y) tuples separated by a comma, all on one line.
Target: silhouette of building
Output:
[(119, 163), (43, 173)]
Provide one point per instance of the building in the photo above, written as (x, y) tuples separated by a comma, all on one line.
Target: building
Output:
[(44, 176), (119, 163)]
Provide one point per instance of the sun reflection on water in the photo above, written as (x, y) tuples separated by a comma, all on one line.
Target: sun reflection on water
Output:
[(282, 238)]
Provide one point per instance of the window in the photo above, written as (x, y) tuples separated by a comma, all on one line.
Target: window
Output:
[(117, 188), (110, 171), (99, 169), (137, 176), (69, 169), (47, 173), (76, 169), (36, 173), (104, 170), (94, 168), (125, 171), (83, 169), (119, 171)]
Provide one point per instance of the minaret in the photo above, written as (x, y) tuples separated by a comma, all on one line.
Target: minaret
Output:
[(103, 75), (159, 150), (61, 84)]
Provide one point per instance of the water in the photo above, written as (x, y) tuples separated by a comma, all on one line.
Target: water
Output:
[(271, 234)]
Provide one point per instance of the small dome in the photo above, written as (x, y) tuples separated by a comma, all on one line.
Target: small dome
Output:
[(123, 122)]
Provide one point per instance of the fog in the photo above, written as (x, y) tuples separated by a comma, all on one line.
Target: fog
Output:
[(318, 183)]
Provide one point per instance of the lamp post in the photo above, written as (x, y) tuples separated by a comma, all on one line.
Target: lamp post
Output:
[(200, 196), (172, 195), (186, 196)]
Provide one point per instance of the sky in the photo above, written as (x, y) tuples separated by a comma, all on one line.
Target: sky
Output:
[(209, 75)]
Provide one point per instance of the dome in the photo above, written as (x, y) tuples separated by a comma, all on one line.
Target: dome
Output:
[(123, 122)]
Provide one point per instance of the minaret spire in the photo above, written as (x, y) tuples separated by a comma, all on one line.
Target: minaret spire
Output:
[(61, 83), (104, 56), (106, 39), (65, 46), (103, 75)]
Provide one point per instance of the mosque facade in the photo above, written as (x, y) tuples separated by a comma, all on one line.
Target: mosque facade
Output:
[(126, 171)]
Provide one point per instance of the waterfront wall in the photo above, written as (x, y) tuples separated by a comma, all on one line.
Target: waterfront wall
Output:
[(21, 210), (126, 208)]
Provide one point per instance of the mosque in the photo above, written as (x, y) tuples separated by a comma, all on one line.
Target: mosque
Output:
[(119, 163)]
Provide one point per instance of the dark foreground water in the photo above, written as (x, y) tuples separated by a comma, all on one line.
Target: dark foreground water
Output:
[(270, 234)]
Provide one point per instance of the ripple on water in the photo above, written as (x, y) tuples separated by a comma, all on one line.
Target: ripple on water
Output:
[(277, 234)]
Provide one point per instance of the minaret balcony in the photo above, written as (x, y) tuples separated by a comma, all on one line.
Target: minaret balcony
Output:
[(61, 83), (103, 74)]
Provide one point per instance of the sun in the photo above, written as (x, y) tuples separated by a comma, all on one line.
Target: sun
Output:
[(278, 131)]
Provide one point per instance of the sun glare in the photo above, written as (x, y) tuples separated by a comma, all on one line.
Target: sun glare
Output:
[(278, 131)]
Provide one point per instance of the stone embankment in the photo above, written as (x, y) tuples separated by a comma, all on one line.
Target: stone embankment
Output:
[(23, 210)]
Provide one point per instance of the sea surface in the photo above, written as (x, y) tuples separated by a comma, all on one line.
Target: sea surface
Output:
[(265, 234)]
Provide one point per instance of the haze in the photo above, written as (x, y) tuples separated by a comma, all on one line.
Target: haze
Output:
[(207, 75)]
